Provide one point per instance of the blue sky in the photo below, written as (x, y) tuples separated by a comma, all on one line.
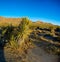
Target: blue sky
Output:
[(45, 10)]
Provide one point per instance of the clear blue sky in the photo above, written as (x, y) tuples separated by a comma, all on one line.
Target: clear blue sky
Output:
[(46, 10)]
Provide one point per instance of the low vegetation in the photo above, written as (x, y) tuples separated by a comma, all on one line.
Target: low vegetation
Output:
[(23, 33)]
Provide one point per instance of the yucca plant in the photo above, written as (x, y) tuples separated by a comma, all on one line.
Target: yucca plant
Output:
[(24, 30), (13, 42)]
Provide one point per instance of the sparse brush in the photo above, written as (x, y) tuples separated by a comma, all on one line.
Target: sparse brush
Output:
[(12, 42), (18, 35)]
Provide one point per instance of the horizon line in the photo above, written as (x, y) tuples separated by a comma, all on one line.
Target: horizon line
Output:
[(34, 19)]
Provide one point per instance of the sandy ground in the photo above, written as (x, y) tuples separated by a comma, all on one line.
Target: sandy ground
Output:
[(39, 55), (34, 55)]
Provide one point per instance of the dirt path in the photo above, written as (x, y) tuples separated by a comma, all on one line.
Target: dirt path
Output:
[(39, 55), (34, 55)]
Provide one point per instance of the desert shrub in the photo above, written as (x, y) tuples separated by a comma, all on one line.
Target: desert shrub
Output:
[(23, 30), (58, 38), (52, 49), (11, 35), (48, 35), (6, 34), (51, 29), (57, 29), (32, 26), (2, 36)]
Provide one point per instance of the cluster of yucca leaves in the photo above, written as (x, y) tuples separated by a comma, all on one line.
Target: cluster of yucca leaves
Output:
[(15, 36)]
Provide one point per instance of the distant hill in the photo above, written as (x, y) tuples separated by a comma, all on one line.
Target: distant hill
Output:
[(6, 21), (16, 21)]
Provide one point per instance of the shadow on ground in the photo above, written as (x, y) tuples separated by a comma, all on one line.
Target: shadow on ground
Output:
[(2, 58)]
